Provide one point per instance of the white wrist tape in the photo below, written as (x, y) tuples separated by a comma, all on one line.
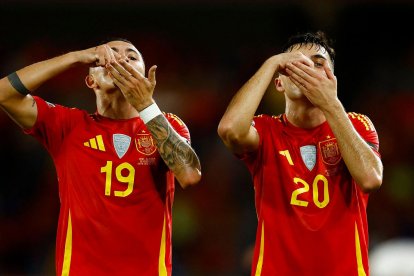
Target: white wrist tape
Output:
[(150, 112)]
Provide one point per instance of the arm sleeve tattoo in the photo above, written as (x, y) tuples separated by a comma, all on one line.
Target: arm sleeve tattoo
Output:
[(174, 149)]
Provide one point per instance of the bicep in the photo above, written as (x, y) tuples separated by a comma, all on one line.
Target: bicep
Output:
[(21, 109)]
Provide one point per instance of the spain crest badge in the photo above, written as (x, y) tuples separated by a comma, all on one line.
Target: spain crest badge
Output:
[(330, 151), (145, 144)]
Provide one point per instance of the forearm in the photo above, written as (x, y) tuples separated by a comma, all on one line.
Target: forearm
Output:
[(35, 75), (22, 109), (237, 119), (363, 164), (175, 151)]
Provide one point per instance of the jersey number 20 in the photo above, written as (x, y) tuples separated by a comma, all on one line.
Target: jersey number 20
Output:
[(315, 191)]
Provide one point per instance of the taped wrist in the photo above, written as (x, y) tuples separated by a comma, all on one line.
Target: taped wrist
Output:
[(149, 113)]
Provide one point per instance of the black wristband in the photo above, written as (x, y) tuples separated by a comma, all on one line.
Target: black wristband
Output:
[(17, 84)]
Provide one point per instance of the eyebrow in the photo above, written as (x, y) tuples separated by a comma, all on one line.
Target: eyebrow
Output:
[(128, 50), (319, 56)]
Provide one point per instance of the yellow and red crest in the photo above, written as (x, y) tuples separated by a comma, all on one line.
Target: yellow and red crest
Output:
[(330, 151), (145, 144)]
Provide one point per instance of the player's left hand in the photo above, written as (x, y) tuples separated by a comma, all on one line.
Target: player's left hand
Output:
[(318, 85), (137, 89)]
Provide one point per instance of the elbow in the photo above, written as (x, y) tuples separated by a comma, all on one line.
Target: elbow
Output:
[(223, 130), (190, 178), (227, 133), (371, 185), (371, 179)]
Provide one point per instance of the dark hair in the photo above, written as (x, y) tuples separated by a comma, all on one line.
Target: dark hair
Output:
[(114, 38), (109, 39), (319, 38)]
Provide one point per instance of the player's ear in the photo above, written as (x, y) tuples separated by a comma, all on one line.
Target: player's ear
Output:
[(279, 85), (90, 81)]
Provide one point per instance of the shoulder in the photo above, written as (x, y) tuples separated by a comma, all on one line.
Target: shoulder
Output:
[(174, 119), (49, 107), (361, 121), (178, 125), (264, 119)]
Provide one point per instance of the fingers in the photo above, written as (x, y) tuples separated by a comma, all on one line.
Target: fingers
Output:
[(310, 79), (100, 56), (122, 68), (299, 72), (297, 79), (151, 75), (298, 67), (109, 54), (124, 73), (328, 72), (104, 54), (303, 59), (128, 69), (117, 77)]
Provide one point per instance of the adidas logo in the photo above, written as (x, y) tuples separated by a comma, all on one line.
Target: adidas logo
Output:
[(95, 143)]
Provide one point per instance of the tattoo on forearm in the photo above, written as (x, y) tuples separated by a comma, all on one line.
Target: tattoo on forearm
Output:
[(174, 150)]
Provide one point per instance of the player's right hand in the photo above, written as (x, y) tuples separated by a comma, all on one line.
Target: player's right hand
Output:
[(284, 58), (97, 56)]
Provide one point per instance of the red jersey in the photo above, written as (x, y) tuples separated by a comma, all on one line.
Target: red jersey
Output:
[(311, 213), (116, 192)]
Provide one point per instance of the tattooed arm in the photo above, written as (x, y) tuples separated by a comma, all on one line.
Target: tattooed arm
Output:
[(175, 151)]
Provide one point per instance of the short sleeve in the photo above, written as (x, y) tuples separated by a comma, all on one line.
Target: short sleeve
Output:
[(52, 123), (252, 159), (178, 125), (366, 129)]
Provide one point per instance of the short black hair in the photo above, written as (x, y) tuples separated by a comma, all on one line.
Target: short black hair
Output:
[(114, 38), (318, 38)]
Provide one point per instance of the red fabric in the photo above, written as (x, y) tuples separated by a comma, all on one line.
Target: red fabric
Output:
[(299, 239), (111, 235)]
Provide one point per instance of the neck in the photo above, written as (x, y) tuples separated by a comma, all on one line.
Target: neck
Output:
[(114, 105), (303, 114)]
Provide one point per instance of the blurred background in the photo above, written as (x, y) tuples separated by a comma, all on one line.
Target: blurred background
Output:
[(205, 51)]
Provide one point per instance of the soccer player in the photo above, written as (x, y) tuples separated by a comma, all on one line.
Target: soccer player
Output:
[(312, 167), (115, 167)]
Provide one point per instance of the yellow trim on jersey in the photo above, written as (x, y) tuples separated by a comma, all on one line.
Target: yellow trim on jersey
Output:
[(286, 154), (261, 253), (175, 117), (162, 269), (68, 248), (361, 270), (363, 119)]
